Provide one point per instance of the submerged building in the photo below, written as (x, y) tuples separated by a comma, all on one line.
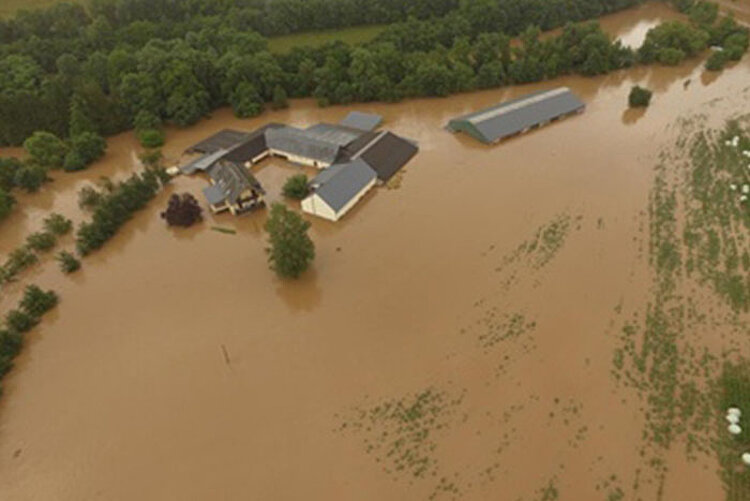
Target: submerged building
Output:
[(518, 115), (352, 159)]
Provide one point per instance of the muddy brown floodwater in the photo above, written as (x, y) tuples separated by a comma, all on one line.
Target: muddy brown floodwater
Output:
[(123, 392)]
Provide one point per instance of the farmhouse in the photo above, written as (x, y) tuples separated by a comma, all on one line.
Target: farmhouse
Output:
[(233, 188), (338, 188), (351, 156), (519, 115)]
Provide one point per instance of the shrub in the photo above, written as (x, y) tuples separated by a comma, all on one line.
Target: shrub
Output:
[(6, 203), (8, 168), (57, 224), (19, 321), (182, 210), (671, 56), (10, 343), (296, 187), (85, 148), (151, 158), (46, 149), (639, 97), (716, 61), (115, 208), (30, 177), (68, 262), (36, 302), (17, 261), (151, 138), (279, 98), (291, 250), (74, 161), (42, 241), (89, 197), (245, 101)]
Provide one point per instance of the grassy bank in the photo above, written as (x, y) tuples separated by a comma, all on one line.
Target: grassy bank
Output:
[(355, 35)]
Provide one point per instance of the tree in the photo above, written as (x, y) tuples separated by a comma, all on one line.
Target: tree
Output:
[(57, 224), (291, 250), (639, 97), (30, 177), (8, 168), (80, 122), (6, 203), (296, 187), (36, 302), (46, 149), (716, 61), (182, 210), (19, 321), (41, 242), (68, 262), (90, 145), (246, 101), (279, 98), (151, 138)]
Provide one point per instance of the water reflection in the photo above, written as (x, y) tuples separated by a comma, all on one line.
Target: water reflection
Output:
[(301, 295), (632, 115)]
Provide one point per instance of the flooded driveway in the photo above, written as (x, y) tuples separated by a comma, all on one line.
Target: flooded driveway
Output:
[(178, 367)]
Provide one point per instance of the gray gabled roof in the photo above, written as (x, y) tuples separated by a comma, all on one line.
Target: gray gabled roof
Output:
[(340, 183), (297, 142), (362, 121), (203, 163), (514, 116), (223, 140), (387, 153), (331, 133), (230, 181)]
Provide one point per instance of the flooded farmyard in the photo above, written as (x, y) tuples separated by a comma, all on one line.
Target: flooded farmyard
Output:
[(453, 340)]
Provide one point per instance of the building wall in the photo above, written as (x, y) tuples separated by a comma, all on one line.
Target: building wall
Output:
[(316, 206), (301, 160)]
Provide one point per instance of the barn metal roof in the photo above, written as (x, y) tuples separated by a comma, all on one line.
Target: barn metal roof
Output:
[(298, 142), (362, 121), (332, 133), (387, 153), (202, 163), (340, 183), (514, 116), (223, 140), (230, 181)]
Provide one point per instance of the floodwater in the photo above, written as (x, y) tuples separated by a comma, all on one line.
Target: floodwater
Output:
[(125, 392)]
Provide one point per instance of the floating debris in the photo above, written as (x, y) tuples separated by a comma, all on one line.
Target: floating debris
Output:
[(228, 231)]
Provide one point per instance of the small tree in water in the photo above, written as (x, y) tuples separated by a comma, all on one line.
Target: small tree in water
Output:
[(291, 250), (182, 210), (639, 97)]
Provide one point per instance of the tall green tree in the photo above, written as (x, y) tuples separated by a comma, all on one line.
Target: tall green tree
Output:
[(291, 250), (46, 149)]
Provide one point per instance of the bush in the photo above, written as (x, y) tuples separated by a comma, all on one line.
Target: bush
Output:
[(6, 203), (68, 262), (296, 187), (46, 149), (151, 138), (30, 177), (17, 261), (716, 61), (639, 97), (19, 321), (89, 197), (291, 250), (42, 241), (36, 302), (182, 210), (10, 343), (8, 168), (279, 98), (245, 101), (74, 161), (115, 208), (151, 158), (85, 148), (671, 56), (57, 224)]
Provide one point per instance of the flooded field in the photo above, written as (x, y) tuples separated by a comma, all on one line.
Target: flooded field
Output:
[(454, 339)]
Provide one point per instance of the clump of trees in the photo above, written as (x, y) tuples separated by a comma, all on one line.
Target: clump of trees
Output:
[(57, 224), (17, 261), (68, 262), (34, 304), (114, 208), (41, 241), (296, 187), (148, 129), (639, 97), (182, 210), (291, 250), (7, 202)]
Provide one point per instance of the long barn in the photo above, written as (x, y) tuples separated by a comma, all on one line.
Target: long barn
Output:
[(519, 115)]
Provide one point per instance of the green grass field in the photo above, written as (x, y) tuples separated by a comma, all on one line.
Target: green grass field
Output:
[(9, 7), (354, 35)]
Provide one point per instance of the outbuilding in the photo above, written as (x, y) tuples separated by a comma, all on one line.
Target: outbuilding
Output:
[(233, 188), (338, 188), (519, 115)]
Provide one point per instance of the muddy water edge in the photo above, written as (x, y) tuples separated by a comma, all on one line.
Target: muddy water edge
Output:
[(429, 354)]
